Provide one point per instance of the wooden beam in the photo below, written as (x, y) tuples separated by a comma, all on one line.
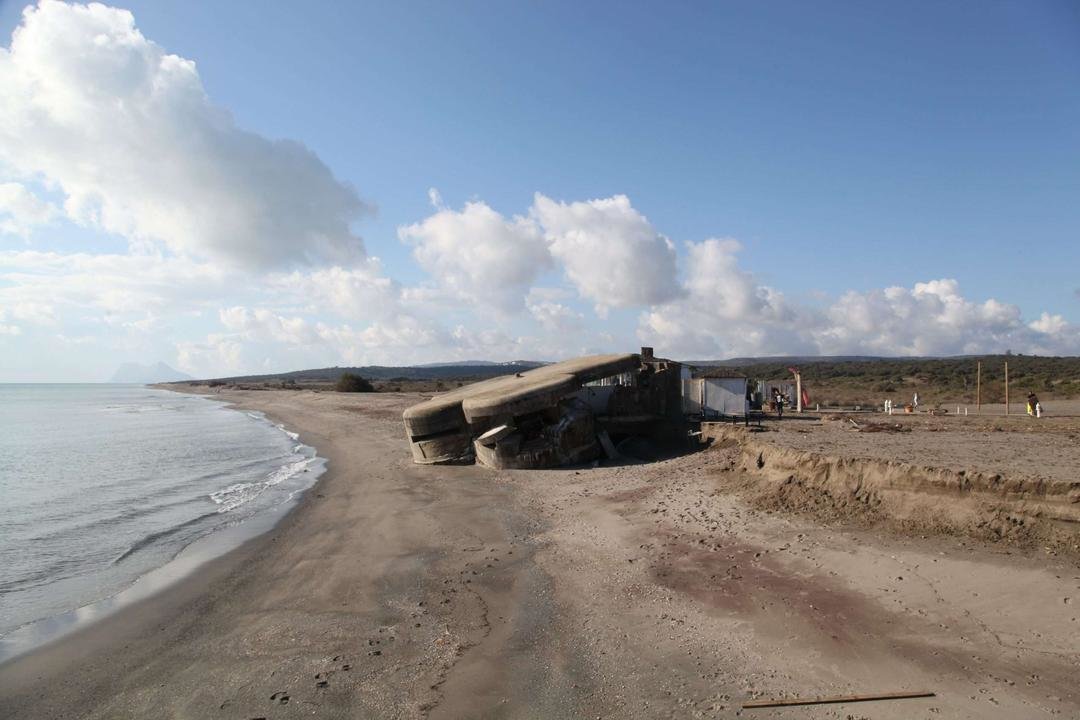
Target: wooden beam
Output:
[(1006, 387), (830, 699), (978, 388)]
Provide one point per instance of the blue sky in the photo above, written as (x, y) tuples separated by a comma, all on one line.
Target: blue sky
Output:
[(848, 148)]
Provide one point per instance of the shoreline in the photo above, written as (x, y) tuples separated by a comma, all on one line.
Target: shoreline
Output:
[(38, 635), (84, 660), (405, 591), (149, 587)]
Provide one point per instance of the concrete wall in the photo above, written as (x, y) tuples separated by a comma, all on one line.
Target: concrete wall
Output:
[(597, 397)]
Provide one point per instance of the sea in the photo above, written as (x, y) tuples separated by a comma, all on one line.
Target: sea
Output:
[(106, 489)]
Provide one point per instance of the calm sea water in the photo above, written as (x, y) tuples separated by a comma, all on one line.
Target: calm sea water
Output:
[(100, 484)]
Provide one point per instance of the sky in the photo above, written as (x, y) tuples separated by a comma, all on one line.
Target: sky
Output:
[(249, 187)]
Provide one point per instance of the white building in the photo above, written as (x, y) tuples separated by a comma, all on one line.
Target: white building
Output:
[(715, 392)]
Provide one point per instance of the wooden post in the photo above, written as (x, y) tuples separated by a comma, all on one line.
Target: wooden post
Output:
[(978, 388), (1006, 387)]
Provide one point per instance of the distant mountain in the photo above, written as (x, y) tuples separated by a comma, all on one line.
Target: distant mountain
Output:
[(136, 373)]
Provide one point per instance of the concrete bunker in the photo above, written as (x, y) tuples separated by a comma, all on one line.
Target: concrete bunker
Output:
[(565, 413)]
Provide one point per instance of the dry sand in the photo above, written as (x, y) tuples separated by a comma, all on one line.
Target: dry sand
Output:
[(1015, 446), (1005, 479), (651, 590)]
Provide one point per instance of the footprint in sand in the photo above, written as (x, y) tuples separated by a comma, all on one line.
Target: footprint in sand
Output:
[(281, 696)]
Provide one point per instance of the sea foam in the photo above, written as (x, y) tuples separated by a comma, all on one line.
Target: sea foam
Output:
[(236, 495)]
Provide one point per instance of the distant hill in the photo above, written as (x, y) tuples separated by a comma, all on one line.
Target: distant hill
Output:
[(481, 363), (842, 379), (136, 373), (439, 371), (790, 359)]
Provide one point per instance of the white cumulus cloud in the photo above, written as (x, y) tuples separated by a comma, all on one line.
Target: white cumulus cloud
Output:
[(723, 311), (126, 132), (1049, 324), (21, 211), (479, 255), (611, 253), (262, 324), (357, 292), (930, 318), (555, 317)]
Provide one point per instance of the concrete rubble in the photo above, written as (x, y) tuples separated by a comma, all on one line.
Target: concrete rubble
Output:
[(565, 413)]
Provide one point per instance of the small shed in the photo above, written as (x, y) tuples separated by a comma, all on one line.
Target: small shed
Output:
[(715, 392)]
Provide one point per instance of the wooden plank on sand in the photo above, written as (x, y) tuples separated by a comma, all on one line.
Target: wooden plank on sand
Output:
[(828, 699)]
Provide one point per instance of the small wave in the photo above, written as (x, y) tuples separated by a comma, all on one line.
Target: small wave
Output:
[(58, 570), (47, 511), (294, 436), (55, 530), (153, 537), (262, 417), (236, 495)]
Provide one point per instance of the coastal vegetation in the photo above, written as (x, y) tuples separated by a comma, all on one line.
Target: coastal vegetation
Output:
[(349, 382), (954, 379)]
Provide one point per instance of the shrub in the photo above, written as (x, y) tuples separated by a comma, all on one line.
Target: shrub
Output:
[(348, 382)]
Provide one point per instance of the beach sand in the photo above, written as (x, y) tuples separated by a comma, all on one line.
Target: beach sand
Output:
[(645, 590)]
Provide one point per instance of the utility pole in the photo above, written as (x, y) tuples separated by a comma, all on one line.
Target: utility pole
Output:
[(1006, 387), (798, 388), (978, 388)]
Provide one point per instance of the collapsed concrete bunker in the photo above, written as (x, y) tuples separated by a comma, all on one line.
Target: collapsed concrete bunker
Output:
[(565, 413)]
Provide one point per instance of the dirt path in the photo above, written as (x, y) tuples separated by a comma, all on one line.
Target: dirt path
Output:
[(637, 591)]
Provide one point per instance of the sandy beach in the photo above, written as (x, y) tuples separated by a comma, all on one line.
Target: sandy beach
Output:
[(637, 590)]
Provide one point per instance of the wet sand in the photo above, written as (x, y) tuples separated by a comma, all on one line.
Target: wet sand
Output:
[(401, 591)]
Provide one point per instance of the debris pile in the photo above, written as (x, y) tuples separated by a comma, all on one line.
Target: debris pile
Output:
[(561, 414)]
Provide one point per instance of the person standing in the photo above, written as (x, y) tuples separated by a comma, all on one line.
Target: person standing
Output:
[(915, 400)]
